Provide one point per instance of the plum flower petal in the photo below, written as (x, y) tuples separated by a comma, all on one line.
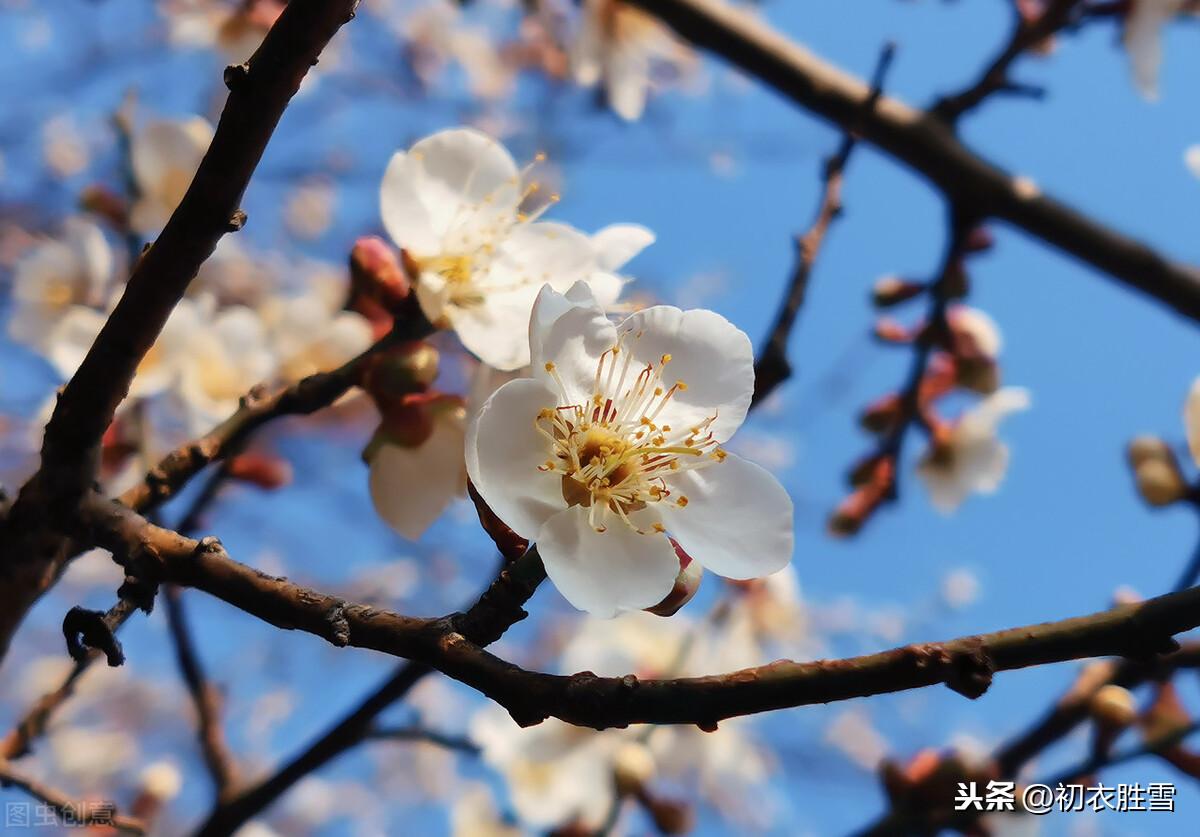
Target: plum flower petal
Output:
[(1142, 35), (623, 570), (501, 442), (974, 460), (738, 521), (165, 155), (411, 486), (453, 203)]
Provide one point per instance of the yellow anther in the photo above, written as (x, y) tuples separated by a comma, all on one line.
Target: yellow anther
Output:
[(658, 527), (719, 455), (681, 386), (665, 359), (682, 501), (658, 390), (549, 366)]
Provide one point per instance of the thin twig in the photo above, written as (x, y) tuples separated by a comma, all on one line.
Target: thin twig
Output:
[(71, 812), (418, 733), (772, 367)]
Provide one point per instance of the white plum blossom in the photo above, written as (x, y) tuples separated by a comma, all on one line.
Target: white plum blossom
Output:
[(412, 485), (56, 275), (972, 459), (621, 45), (221, 362), (165, 154), (1143, 32), (453, 204), (435, 37), (309, 335), (615, 441), (474, 814)]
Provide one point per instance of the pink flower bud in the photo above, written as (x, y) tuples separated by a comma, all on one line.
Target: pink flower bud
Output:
[(376, 273), (264, 470), (686, 584), (891, 331), (892, 290)]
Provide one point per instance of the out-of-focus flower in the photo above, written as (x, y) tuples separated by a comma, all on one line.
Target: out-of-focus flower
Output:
[(969, 458), (616, 440), (766, 619), (63, 147), (960, 588), (474, 814), (452, 203), (624, 47), (1191, 159), (74, 269), (309, 209), (436, 37), (162, 780), (975, 345), (221, 362), (558, 774), (165, 154), (412, 481), (307, 335), (1144, 23), (236, 29)]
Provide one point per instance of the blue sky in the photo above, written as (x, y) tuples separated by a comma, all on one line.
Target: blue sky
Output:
[(1103, 364)]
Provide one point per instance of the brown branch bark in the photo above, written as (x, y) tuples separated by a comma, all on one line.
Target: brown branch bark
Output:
[(32, 553), (205, 698), (925, 143), (500, 607), (72, 812), (452, 643)]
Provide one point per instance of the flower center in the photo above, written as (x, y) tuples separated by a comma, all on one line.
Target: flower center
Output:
[(614, 458)]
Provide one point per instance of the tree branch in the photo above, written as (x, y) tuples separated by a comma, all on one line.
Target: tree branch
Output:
[(772, 367), (72, 812), (451, 644), (31, 552), (924, 142)]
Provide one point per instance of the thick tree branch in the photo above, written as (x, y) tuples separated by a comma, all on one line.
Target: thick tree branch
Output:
[(31, 552), (965, 664), (500, 607), (926, 144)]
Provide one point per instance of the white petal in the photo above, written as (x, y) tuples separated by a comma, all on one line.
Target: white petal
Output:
[(469, 185), (1191, 159), (627, 79), (94, 256), (71, 338), (542, 253), (1143, 41), (504, 450), (166, 153), (616, 244), (411, 487), (607, 289), (495, 331), (1191, 420), (708, 353), (586, 53), (981, 421), (404, 215), (738, 519), (605, 573), (572, 341)]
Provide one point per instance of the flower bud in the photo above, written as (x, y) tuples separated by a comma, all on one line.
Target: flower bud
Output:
[(1159, 482), (1145, 448), (162, 780), (411, 367), (980, 375), (375, 272), (892, 290), (671, 816), (979, 240), (891, 331), (633, 767), (1113, 707), (686, 584), (881, 416), (264, 470), (102, 201)]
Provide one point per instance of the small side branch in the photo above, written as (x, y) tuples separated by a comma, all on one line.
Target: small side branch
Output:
[(70, 812), (772, 367)]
